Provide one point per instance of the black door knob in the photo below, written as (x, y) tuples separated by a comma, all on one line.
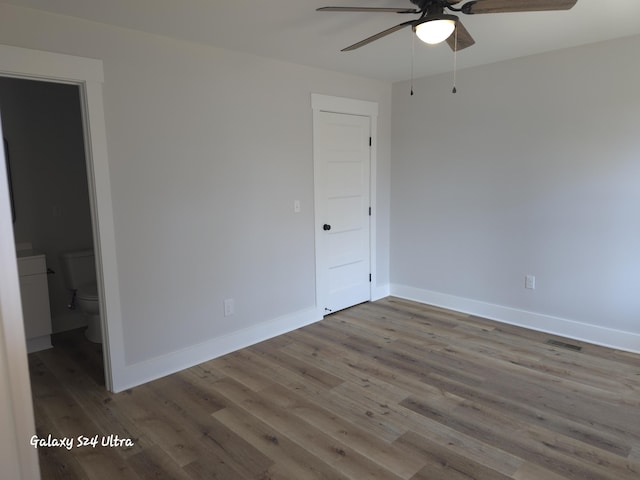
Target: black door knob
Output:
[(326, 227)]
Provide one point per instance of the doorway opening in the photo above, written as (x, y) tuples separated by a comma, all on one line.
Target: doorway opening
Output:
[(45, 146)]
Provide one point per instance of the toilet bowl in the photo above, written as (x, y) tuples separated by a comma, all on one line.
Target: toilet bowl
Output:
[(87, 300), (79, 272)]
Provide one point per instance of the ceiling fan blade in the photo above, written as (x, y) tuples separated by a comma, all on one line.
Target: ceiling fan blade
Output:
[(464, 38), (503, 6), (367, 9), (377, 36)]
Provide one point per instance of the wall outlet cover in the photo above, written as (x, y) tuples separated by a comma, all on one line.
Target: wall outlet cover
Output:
[(530, 282)]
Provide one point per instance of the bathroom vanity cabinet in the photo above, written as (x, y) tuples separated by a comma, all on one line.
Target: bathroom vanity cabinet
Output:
[(34, 292)]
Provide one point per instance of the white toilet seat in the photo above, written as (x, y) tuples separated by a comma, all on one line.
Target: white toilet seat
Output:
[(88, 292)]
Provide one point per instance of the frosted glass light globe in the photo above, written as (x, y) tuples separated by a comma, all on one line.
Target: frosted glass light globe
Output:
[(435, 31)]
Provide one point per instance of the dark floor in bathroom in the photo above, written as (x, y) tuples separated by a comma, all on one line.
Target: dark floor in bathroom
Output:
[(85, 354)]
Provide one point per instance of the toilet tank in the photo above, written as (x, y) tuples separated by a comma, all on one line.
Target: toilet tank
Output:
[(78, 268)]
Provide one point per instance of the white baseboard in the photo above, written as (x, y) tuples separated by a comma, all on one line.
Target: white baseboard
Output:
[(38, 344), (149, 370), (607, 337), (380, 291)]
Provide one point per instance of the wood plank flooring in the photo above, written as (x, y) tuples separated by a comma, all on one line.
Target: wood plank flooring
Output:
[(386, 390)]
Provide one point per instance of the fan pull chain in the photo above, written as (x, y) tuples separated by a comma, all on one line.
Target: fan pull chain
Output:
[(413, 54), (455, 58)]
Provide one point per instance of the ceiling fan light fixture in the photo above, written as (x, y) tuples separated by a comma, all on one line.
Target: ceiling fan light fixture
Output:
[(435, 29)]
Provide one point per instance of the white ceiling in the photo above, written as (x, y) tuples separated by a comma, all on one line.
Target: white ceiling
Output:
[(293, 31)]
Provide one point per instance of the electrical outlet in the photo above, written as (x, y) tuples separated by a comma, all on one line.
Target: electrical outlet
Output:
[(530, 282), (229, 307)]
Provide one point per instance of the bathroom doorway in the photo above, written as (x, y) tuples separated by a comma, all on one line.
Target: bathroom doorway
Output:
[(44, 138)]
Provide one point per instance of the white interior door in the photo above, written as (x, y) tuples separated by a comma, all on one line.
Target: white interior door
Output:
[(18, 460), (342, 163)]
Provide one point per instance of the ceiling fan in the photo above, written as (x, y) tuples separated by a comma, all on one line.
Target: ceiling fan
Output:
[(435, 26)]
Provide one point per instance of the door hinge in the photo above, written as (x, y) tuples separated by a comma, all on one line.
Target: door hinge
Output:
[(369, 277), (369, 141), (369, 211)]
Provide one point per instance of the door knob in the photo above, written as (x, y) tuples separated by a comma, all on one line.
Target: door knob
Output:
[(326, 227)]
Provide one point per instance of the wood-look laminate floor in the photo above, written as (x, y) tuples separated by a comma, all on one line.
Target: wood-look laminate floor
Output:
[(386, 390)]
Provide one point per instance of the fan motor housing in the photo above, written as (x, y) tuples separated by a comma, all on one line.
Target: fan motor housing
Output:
[(432, 6)]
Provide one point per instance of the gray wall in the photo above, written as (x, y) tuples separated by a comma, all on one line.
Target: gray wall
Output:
[(42, 123), (531, 168), (207, 151)]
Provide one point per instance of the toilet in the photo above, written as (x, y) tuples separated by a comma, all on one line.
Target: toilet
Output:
[(79, 271)]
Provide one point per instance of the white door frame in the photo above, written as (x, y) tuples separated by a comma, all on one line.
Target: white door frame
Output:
[(88, 75), (348, 106)]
